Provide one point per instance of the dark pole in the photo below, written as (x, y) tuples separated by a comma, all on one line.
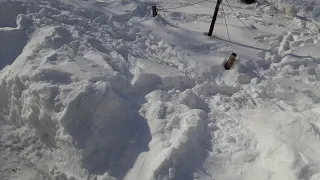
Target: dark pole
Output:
[(214, 18), (154, 11)]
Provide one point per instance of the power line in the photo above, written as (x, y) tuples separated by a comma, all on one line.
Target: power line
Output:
[(185, 5), (240, 19), (225, 20)]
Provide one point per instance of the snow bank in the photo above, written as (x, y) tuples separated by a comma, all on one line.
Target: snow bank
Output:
[(67, 105), (178, 131), (308, 8)]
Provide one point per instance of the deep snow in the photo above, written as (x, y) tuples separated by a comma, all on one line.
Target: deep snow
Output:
[(99, 90)]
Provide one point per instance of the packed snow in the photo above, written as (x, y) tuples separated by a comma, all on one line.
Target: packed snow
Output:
[(101, 90)]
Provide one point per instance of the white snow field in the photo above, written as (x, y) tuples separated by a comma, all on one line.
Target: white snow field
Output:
[(100, 90)]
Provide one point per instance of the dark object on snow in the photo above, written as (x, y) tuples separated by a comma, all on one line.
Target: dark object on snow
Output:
[(248, 1), (154, 11), (230, 61), (214, 17)]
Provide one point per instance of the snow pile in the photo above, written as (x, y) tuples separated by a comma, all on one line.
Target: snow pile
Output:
[(68, 89), (66, 104), (178, 137), (310, 8)]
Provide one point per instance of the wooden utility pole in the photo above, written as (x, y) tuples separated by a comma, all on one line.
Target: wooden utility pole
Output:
[(214, 18)]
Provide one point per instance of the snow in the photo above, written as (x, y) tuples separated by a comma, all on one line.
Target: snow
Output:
[(310, 8), (100, 90)]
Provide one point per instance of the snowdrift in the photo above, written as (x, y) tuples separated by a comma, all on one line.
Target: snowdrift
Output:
[(310, 8)]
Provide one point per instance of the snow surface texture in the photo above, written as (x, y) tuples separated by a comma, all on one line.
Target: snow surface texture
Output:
[(309, 8), (99, 90)]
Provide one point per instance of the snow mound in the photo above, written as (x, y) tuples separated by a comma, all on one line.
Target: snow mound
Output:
[(60, 94), (310, 8), (190, 99), (177, 146), (68, 87)]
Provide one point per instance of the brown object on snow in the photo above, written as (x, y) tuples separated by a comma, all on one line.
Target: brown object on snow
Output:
[(230, 61)]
